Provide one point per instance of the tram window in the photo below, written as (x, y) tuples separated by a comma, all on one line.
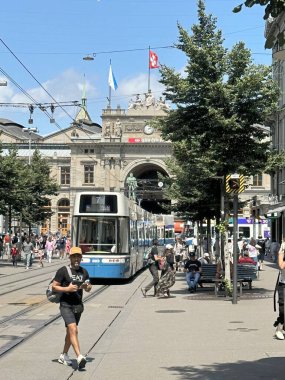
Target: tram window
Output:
[(98, 203), (141, 233), (97, 234), (123, 242), (133, 231), (244, 232)]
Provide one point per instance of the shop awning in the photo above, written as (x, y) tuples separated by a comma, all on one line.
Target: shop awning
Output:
[(277, 209)]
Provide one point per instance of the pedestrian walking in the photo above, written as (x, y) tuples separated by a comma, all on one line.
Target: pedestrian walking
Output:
[(49, 246), (1, 248), (153, 268), (267, 246), (14, 254), (7, 245), (27, 248), (280, 289), (71, 306), (167, 279), (274, 249)]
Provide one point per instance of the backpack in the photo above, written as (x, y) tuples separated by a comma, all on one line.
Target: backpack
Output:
[(149, 260), (170, 258), (52, 296)]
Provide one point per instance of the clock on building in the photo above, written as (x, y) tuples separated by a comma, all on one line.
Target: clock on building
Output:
[(148, 129)]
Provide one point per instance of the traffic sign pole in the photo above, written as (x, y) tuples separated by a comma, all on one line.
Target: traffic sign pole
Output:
[(235, 253)]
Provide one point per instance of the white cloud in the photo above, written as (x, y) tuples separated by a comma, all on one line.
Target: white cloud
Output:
[(65, 87), (139, 85)]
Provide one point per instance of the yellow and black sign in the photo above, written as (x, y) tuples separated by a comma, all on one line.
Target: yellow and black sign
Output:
[(234, 183)]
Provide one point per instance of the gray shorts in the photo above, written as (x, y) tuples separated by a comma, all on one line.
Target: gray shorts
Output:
[(71, 313)]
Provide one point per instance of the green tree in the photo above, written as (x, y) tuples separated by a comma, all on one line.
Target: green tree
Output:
[(273, 8), (40, 187), (13, 179), (25, 189), (218, 101)]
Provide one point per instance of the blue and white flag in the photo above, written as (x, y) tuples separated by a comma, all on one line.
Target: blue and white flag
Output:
[(112, 81)]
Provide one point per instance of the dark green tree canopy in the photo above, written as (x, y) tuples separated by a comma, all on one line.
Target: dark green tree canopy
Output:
[(273, 8), (219, 100)]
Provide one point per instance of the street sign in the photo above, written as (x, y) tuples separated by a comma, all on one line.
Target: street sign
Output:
[(235, 183)]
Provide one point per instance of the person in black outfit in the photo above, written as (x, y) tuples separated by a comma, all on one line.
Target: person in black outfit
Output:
[(153, 268), (71, 306), (280, 287), (192, 268), (260, 242)]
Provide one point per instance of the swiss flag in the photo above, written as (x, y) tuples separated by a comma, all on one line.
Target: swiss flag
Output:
[(153, 60)]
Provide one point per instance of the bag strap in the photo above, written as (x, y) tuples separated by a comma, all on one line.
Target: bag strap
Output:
[(69, 271), (275, 291)]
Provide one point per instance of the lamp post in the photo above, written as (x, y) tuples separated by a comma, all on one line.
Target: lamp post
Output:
[(29, 131)]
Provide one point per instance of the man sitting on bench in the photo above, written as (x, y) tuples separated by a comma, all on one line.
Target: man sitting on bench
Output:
[(193, 269)]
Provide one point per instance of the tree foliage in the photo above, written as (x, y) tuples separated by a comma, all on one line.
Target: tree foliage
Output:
[(273, 8), (218, 99), (25, 189)]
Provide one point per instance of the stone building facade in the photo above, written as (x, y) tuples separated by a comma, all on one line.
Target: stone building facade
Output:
[(86, 156)]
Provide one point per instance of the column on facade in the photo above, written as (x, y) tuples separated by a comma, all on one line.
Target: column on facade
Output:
[(105, 164), (117, 173)]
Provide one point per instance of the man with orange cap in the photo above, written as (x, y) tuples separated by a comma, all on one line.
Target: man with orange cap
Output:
[(71, 306)]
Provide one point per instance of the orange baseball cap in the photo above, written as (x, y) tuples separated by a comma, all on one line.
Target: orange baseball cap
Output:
[(75, 251)]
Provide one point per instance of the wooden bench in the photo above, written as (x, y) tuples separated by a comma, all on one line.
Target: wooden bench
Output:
[(208, 276), (245, 273)]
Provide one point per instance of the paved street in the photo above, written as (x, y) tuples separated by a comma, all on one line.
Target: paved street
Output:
[(189, 336)]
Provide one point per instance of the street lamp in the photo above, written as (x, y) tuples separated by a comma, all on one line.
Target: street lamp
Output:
[(29, 131), (3, 83), (89, 57)]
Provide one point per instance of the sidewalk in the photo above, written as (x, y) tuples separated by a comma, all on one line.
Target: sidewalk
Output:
[(188, 337)]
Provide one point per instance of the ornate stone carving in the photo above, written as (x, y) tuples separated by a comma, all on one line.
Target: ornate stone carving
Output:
[(107, 132)]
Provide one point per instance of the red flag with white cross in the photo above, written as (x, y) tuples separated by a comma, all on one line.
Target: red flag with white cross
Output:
[(153, 60)]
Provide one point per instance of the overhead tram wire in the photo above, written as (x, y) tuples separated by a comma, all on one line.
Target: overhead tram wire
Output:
[(38, 82), (44, 110), (34, 101), (47, 92)]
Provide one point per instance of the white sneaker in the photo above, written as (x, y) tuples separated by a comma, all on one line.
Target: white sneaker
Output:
[(81, 361), (64, 359), (279, 332)]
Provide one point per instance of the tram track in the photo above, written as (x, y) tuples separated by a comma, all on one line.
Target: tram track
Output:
[(48, 277), (110, 324), (15, 341)]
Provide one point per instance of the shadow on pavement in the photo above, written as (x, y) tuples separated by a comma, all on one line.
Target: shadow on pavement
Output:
[(267, 368)]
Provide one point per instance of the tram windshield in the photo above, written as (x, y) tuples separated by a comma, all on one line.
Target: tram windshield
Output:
[(101, 235)]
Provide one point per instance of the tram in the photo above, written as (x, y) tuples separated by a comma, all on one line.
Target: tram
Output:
[(113, 232), (165, 229), (250, 227)]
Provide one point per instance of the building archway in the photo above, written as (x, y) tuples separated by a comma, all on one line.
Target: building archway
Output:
[(149, 193)]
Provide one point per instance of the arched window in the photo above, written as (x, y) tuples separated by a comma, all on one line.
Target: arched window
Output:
[(63, 215)]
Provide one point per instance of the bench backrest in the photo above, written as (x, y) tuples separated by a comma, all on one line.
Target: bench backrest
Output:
[(246, 271), (209, 270)]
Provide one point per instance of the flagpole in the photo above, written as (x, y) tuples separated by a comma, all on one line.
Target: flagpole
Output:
[(148, 84), (110, 93)]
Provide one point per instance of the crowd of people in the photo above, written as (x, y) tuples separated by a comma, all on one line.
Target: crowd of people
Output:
[(189, 259), (23, 247)]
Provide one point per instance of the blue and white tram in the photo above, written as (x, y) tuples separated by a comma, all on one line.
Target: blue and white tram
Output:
[(113, 233)]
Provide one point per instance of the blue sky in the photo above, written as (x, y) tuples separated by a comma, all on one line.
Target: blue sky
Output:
[(51, 38)]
